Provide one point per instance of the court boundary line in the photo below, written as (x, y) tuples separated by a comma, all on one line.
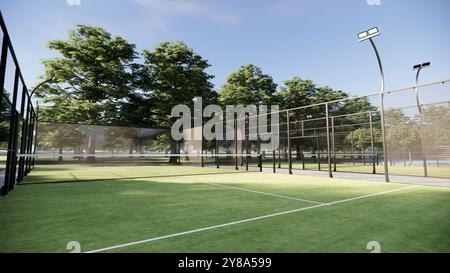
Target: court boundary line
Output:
[(266, 193), (247, 220)]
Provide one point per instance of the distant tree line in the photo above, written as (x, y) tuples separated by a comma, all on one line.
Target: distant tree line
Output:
[(101, 79)]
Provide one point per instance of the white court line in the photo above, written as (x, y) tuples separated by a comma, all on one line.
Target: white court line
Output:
[(266, 193), (246, 220)]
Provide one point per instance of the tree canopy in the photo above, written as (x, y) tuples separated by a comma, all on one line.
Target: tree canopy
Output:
[(178, 75), (92, 79), (101, 79), (247, 86)]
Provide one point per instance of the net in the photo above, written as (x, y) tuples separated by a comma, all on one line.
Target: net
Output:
[(78, 167)]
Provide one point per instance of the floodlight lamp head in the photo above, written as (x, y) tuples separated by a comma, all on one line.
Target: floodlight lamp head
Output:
[(362, 36), (420, 66)]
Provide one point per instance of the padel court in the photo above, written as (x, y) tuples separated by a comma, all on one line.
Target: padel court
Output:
[(163, 208)]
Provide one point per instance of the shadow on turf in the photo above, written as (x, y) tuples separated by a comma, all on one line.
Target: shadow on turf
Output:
[(125, 178)]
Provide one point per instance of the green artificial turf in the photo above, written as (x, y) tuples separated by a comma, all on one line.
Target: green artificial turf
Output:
[(111, 205)]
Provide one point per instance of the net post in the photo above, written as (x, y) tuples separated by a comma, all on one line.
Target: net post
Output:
[(260, 162), (330, 173), (217, 154), (289, 142), (274, 161)]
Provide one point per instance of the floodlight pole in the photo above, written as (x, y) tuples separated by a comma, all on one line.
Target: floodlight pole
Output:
[(383, 128), (425, 170)]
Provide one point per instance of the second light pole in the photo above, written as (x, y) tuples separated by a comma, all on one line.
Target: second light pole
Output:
[(368, 35), (419, 67)]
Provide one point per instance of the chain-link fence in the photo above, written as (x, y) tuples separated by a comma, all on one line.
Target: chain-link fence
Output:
[(348, 136), (342, 136)]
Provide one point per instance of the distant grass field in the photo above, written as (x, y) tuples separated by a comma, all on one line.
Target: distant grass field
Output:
[(103, 207), (398, 169)]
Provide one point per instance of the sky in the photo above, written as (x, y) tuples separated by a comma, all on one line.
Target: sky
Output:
[(312, 39)]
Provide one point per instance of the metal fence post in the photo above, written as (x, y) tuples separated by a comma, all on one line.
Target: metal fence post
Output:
[(318, 149), (23, 112), (235, 145), (330, 173), (10, 173), (289, 143), (36, 133), (4, 57), (372, 146), (333, 143), (247, 132)]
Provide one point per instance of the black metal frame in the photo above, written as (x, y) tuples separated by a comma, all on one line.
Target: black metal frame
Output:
[(21, 123)]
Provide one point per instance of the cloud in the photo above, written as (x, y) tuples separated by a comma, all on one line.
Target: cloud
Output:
[(73, 2), (173, 7), (227, 19), (373, 2), (164, 8)]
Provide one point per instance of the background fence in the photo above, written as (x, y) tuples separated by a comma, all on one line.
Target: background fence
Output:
[(336, 136)]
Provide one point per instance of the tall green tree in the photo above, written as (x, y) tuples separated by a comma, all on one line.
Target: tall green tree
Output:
[(177, 74), (298, 92), (248, 85), (93, 78)]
